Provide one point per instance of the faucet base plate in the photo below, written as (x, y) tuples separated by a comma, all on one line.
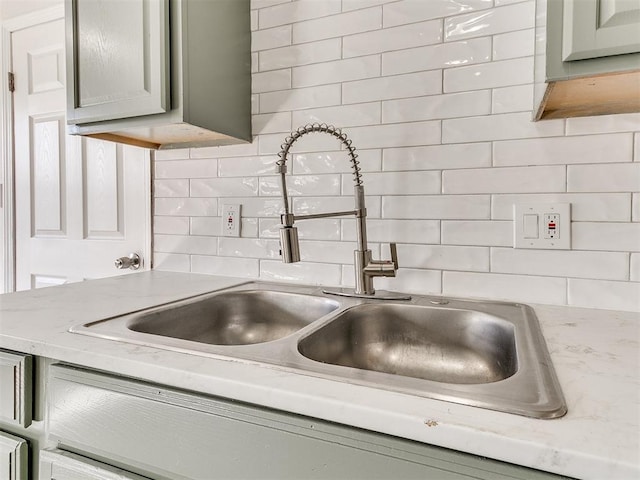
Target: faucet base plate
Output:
[(378, 295)]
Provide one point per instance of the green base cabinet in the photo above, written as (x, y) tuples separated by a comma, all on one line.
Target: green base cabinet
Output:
[(14, 457), (165, 433)]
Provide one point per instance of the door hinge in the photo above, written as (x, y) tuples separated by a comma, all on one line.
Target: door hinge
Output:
[(12, 82)]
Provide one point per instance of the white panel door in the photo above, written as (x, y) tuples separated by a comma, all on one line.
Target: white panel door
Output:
[(80, 203)]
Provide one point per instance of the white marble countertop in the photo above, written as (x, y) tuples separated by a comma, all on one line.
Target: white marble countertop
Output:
[(595, 353)]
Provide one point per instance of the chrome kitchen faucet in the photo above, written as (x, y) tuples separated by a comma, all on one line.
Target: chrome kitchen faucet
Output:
[(365, 267)]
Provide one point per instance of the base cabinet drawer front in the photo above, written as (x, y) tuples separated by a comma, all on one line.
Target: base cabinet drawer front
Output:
[(16, 377), (14, 457), (169, 434), (60, 465)]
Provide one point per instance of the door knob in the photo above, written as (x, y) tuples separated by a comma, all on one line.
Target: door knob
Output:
[(133, 261)]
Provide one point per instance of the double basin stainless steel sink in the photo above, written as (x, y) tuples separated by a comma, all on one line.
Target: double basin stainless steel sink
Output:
[(479, 353)]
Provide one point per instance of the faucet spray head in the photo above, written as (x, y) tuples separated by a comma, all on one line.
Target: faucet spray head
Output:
[(289, 245)]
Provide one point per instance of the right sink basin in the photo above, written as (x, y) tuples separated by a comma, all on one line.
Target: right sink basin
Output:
[(482, 353), (438, 344)]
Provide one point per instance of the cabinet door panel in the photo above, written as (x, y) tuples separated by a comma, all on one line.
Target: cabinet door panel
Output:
[(598, 28), (60, 465), (13, 457), (15, 388), (116, 59)]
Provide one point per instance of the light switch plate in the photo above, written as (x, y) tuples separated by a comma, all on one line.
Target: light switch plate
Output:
[(542, 226)]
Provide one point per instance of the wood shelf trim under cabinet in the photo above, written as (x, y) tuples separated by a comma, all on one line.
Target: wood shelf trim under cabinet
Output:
[(596, 95)]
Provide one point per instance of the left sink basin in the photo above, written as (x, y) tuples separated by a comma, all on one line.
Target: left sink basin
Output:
[(240, 316), (234, 318)]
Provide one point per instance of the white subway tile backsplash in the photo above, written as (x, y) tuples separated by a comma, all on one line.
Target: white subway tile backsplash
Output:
[(478, 232), (241, 167), (172, 262), (585, 207), (618, 237), (224, 187), (296, 12), (437, 207), (341, 116), (463, 104), (348, 5), (498, 127), (505, 180), (502, 73), (188, 244), (195, 207), (248, 247), (301, 272), (338, 25), (309, 205), (327, 252), (564, 150), (171, 225), (617, 177), (419, 282), (171, 154), (327, 229), (186, 169), (561, 263), (396, 183), (171, 188), (410, 11), (514, 44), (443, 132), (396, 135), (237, 267), (271, 81), (444, 257), (520, 288), (335, 162), (389, 39), (399, 86), (512, 99), (433, 57), (519, 16), (629, 122), (271, 123), (211, 226), (398, 231), (240, 150), (271, 38), (302, 185), (300, 99), (437, 157), (635, 267), (602, 294), (336, 71), (257, 4), (305, 54)]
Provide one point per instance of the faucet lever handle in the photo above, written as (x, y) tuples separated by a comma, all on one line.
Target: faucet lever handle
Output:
[(394, 254)]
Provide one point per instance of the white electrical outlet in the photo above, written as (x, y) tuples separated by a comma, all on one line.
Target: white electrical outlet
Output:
[(231, 220), (542, 225)]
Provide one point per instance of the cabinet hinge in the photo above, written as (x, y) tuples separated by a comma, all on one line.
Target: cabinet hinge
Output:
[(12, 82)]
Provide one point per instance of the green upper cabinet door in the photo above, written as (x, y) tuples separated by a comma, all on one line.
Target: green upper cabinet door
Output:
[(117, 65), (159, 73), (600, 28)]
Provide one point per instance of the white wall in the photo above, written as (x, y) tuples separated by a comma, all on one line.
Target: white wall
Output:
[(438, 103)]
